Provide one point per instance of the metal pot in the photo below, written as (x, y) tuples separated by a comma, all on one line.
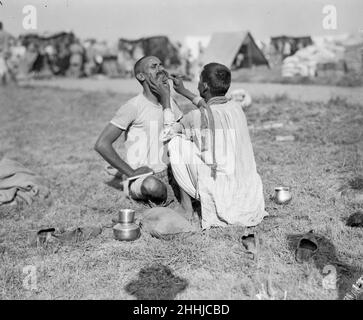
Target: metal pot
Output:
[(282, 195), (126, 229)]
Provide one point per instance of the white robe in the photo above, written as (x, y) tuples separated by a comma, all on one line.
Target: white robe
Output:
[(236, 195)]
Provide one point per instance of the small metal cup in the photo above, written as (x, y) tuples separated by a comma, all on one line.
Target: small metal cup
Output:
[(126, 216), (282, 195)]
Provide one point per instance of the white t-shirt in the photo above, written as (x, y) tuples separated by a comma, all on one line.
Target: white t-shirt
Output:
[(143, 122)]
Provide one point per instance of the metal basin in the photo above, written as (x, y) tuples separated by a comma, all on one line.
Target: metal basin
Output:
[(126, 231), (282, 195)]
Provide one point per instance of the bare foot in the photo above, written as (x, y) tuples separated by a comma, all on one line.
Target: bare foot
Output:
[(186, 202), (195, 222), (190, 214)]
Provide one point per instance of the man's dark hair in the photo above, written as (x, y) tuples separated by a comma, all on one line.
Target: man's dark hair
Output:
[(1, 25), (218, 78)]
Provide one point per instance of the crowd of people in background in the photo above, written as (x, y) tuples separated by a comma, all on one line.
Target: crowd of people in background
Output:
[(63, 54), (6, 41)]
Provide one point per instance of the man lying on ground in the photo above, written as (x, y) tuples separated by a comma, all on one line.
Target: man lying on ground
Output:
[(141, 119), (211, 152)]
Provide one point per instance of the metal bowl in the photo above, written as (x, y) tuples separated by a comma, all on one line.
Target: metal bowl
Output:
[(126, 231), (282, 195), (126, 216)]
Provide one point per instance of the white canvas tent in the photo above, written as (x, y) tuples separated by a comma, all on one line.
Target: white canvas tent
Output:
[(228, 47)]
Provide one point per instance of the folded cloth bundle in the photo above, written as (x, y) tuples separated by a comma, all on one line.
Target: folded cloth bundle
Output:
[(164, 223), (19, 183)]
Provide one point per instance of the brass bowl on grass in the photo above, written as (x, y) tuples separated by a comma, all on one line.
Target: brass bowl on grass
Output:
[(282, 195), (126, 229)]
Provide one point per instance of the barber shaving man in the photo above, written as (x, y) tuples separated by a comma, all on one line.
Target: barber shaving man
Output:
[(211, 152)]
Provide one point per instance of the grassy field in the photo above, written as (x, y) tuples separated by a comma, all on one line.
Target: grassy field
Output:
[(53, 131)]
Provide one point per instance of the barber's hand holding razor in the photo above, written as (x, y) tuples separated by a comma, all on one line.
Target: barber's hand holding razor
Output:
[(180, 88), (178, 83)]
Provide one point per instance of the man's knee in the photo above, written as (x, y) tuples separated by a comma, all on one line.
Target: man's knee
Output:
[(154, 189)]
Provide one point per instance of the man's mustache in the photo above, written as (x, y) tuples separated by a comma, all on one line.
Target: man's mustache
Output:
[(162, 73)]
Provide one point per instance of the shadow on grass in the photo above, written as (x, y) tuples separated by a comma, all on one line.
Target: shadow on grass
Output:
[(326, 255), (156, 282)]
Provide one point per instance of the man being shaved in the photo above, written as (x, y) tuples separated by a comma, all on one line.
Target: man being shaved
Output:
[(141, 120)]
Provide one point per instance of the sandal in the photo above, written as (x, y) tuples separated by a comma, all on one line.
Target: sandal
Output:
[(78, 234), (355, 220), (306, 248), (251, 244), (45, 236), (42, 237)]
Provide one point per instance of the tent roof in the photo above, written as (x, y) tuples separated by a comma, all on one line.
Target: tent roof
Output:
[(46, 35), (291, 37), (224, 46), (143, 39)]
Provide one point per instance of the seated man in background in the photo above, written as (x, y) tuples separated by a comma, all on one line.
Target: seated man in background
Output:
[(141, 119), (211, 152)]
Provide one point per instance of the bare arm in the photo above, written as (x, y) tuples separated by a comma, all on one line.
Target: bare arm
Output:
[(180, 88), (104, 147)]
